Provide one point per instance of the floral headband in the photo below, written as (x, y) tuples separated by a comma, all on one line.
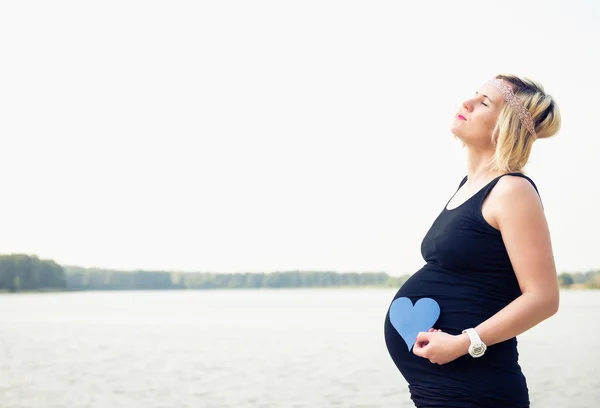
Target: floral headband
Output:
[(514, 101)]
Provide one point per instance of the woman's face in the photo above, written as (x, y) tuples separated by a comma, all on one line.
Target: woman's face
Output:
[(475, 121)]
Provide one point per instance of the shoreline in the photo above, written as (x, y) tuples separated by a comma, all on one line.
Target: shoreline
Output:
[(576, 287)]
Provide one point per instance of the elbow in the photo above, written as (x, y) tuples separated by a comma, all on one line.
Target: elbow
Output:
[(546, 304)]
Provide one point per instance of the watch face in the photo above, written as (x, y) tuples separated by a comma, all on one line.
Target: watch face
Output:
[(477, 349)]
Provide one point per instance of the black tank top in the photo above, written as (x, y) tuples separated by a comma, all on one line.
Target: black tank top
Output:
[(469, 273)]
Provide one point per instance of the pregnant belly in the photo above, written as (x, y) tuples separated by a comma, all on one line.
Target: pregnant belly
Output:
[(465, 301), (463, 304)]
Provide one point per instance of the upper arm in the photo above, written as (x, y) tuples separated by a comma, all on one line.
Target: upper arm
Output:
[(519, 214)]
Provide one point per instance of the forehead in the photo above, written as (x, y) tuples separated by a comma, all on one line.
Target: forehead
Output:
[(491, 92)]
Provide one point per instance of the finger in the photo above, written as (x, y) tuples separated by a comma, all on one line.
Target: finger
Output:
[(423, 336), (431, 330), (418, 349)]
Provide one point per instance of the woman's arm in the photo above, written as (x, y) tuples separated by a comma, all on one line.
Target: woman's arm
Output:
[(519, 216), (514, 208)]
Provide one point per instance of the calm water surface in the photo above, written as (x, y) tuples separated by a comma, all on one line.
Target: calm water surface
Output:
[(250, 348)]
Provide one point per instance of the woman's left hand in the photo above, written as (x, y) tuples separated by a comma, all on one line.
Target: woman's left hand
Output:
[(439, 347)]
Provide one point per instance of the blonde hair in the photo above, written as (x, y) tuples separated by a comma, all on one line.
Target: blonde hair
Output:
[(513, 141)]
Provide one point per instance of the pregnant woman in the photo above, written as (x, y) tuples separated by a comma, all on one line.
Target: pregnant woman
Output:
[(489, 265)]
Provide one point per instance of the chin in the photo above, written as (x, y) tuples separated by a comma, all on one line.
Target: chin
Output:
[(456, 132), (459, 136)]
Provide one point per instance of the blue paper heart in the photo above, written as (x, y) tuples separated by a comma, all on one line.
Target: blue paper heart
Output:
[(409, 321)]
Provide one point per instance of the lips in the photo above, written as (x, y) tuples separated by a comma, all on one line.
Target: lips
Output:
[(461, 117)]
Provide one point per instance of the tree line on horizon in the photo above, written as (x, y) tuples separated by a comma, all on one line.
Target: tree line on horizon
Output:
[(23, 272), (20, 272), (588, 280)]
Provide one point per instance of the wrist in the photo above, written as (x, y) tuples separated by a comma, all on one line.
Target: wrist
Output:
[(477, 347), (463, 343)]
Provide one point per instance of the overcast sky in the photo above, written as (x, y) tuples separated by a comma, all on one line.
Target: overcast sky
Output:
[(255, 136)]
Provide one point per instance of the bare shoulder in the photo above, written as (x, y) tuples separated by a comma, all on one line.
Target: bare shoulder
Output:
[(516, 189), (513, 198)]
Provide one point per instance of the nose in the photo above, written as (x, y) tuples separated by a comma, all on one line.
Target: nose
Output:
[(468, 105)]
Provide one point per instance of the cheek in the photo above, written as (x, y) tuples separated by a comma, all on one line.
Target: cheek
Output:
[(486, 122)]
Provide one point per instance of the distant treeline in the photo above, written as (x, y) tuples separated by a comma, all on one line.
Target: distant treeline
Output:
[(590, 280), (23, 272), (29, 273), (104, 279)]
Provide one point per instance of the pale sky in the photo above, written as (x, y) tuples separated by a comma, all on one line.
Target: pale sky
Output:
[(255, 136)]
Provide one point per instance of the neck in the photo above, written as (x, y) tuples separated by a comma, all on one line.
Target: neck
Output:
[(477, 165)]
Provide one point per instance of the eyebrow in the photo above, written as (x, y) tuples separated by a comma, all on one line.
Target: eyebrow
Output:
[(485, 96)]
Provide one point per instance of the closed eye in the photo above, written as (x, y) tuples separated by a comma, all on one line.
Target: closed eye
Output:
[(484, 104)]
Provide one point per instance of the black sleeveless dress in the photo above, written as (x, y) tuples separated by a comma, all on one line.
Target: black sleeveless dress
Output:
[(469, 274)]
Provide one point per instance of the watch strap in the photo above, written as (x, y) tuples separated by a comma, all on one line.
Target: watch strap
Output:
[(473, 336)]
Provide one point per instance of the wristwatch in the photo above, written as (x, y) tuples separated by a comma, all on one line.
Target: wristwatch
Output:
[(477, 347)]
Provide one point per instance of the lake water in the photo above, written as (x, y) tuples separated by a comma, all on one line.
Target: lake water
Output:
[(315, 348)]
